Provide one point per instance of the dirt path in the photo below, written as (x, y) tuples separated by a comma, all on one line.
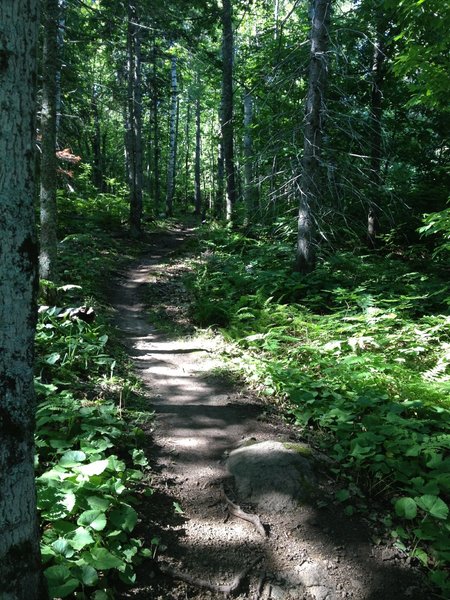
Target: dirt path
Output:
[(309, 553)]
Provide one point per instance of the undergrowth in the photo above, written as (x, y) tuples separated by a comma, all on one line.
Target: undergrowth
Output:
[(91, 469), (358, 353)]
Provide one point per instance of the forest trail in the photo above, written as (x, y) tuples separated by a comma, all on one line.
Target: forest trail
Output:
[(310, 553)]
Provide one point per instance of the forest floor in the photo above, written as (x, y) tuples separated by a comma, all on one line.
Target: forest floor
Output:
[(201, 415)]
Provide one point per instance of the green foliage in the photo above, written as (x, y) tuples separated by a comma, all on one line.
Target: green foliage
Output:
[(438, 224), (90, 469), (359, 352), (86, 493)]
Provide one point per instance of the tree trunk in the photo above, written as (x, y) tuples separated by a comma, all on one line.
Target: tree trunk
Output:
[(376, 110), (198, 193), (249, 186), (134, 119), (315, 114), (156, 151), (97, 143), (20, 575), (276, 15), (60, 42), (227, 111), (219, 197), (172, 139), (187, 143), (48, 209), (175, 154)]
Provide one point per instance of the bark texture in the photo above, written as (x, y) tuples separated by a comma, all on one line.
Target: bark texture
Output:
[(376, 110), (227, 107), (155, 126), (187, 144), (97, 142), (48, 208), (219, 197), (134, 120), (19, 536), (315, 113), (198, 193), (172, 138), (249, 185)]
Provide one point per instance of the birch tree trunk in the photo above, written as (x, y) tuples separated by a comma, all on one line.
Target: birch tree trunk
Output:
[(198, 193), (315, 113), (175, 154), (134, 119), (187, 143), (172, 139), (20, 577), (227, 108), (48, 209), (376, 110), (219, 197)]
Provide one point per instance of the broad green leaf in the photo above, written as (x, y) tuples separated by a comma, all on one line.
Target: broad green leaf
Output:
[(93, 468), (421, 555), (406, 508), (57, 574), (124, 518), (93, 518), (53, 358), (72, 458), (63, 527), (118, 486), (97, 503), (81, 538), (63, 547), (63, 590), (433, 505), (100, 595), (55, 504), (342, 495), (116, 465), (139, 457), (99, 446), (89, 575), (102, 559)]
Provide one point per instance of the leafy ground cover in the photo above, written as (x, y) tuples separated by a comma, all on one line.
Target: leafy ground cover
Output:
[(91, 469), (358, 354)]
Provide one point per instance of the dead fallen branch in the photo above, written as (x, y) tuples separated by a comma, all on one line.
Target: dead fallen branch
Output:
[(236, 511), (213, 587)]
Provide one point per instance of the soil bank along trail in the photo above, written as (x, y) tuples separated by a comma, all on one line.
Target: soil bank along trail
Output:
[(237, 498)]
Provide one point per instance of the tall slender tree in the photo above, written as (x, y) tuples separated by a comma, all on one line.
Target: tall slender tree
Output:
[(310, 189), (219, 197), (48, 209), (172, 137), (227, 107), (187, 144), (249, 186), (376, 112), (20, 577), (156, 140), (198, 193), (134, 120)]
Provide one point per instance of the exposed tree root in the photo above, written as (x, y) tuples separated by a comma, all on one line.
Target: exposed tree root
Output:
[(260, 586), (236, 511), (213, 587)]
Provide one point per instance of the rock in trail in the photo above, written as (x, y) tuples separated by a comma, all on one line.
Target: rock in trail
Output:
[(310, 553)]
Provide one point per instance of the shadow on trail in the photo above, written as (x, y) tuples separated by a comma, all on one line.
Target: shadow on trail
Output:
[(199, 419)]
